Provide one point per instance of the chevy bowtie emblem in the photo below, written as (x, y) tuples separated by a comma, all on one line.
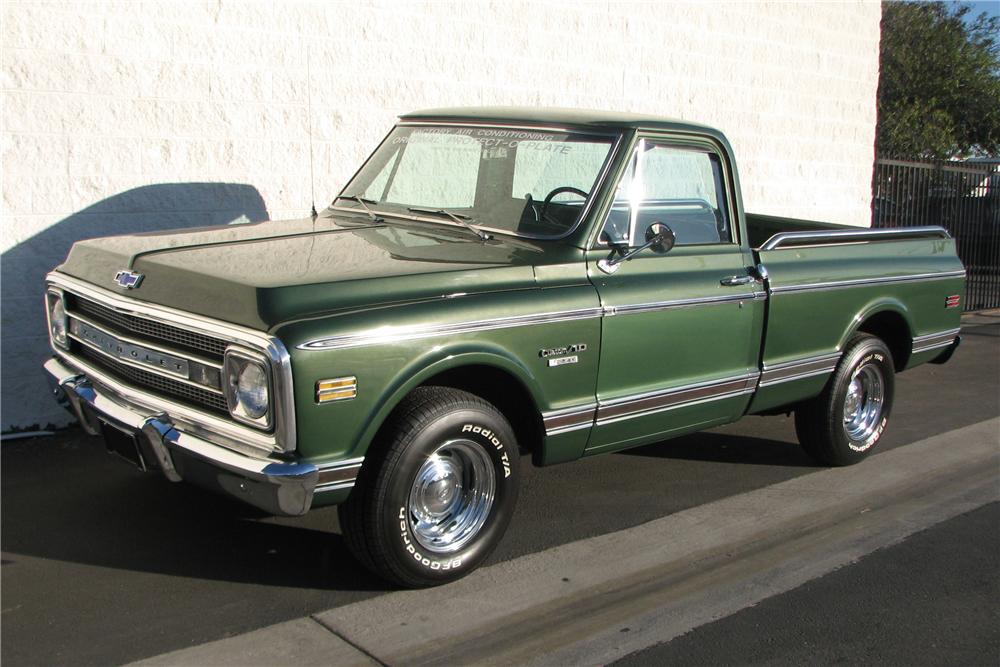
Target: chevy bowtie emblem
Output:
[(128, 279)]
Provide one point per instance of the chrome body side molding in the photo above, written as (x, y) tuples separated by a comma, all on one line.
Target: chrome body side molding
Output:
[(385, 335), (798, 369), (791, 239), (682, 303), (934, 341), (640, 405), (861, 282), (339, 475), (557, 422)]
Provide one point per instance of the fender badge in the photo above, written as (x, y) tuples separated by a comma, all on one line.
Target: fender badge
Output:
[(562, 361), (545, 353), (128, 279)]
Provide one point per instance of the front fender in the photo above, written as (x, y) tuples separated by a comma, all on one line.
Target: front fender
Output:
[(385, 368), (435, 361)]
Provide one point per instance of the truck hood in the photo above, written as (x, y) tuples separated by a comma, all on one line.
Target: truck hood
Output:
[(259, 275)]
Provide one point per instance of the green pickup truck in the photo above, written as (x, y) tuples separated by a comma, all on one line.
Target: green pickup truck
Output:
[(491, 282)]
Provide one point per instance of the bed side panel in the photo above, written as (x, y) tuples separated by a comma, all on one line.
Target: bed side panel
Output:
[(820, 295)]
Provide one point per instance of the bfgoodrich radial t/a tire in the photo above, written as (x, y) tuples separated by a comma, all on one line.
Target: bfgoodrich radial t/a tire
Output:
[(439, 496), (844, 424)]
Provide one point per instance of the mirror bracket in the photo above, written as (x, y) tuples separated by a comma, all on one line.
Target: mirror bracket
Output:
[(659, 237)]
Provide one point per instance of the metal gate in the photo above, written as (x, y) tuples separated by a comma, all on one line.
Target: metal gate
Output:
[(962, 197)]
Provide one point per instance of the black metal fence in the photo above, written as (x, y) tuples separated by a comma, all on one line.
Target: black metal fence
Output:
[(962, 197)]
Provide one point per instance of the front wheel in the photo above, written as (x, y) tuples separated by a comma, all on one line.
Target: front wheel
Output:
[(843, 424), (444, 491)]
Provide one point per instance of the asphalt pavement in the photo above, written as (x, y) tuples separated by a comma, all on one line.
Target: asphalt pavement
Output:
[(102, 564), (930, 600)]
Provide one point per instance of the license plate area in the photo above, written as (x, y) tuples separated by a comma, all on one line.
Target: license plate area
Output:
[(124, 443)]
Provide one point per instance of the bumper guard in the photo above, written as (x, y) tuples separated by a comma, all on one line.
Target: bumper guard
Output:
[(275, 486)]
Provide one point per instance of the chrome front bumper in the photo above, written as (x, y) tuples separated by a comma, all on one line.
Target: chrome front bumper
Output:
[(275, 486)]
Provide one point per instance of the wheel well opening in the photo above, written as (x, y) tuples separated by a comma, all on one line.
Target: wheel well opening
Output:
[(894, 332), (505, 392)]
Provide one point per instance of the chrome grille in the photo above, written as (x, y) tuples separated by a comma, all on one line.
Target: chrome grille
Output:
[(154, 329), (199, 398), (150, 330)]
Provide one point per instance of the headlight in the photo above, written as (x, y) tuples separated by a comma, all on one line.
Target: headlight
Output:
[(57, 318), (248, 388)]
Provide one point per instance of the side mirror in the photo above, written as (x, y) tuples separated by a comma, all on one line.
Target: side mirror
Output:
[(659, 238)]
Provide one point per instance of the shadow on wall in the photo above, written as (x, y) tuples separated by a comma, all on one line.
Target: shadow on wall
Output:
[(25, 403)]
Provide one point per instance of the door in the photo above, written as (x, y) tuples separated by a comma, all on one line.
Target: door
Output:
[(679, 340)]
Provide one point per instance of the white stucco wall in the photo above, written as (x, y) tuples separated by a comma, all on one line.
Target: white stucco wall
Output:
[(121, 116)]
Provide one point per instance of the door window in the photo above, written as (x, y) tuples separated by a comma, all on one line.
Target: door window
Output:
[(682, 187)]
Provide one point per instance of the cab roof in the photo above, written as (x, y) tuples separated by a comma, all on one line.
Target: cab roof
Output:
[(576, 118)]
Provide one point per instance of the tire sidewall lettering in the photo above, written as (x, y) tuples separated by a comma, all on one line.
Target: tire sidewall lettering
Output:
[(872, 356), (410, 548), (872, 439), (491, 440)]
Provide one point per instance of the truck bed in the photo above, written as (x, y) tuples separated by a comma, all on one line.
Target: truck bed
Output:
[(825, 283)]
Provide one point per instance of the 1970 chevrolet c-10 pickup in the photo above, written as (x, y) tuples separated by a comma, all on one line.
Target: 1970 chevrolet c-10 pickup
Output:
[(491, 281)]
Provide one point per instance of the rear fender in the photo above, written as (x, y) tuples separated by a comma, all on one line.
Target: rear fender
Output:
[(878, 306)]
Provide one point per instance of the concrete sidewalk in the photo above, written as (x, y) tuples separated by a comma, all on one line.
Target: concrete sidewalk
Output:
[(599, 599)]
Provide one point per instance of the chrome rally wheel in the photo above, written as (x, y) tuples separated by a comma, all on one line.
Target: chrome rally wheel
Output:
[(451, 496), (863, 405)]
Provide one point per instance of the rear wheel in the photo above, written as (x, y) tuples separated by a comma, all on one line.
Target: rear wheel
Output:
[(843, 424), (443, 494)]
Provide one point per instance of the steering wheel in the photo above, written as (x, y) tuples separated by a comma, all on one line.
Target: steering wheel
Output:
[(559, 191), (616, 230)]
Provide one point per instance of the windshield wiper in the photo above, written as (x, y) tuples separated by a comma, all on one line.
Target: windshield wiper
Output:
[(460, 219), (364, 204)]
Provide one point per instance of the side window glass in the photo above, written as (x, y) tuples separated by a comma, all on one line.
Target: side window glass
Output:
[(680, 187)]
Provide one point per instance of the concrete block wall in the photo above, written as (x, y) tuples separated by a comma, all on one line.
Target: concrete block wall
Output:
[(123, 116)]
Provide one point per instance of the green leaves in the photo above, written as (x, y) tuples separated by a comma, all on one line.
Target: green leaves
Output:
[(939, 85)]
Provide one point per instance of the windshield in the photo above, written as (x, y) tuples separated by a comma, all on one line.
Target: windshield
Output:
[(531, 183)]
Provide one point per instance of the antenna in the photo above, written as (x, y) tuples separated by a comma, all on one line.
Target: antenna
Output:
[(312, 178)]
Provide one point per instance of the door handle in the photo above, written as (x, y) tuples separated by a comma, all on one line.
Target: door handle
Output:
[(732, 281)]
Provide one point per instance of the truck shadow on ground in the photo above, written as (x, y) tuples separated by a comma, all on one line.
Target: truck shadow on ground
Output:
[(714, 447), (65, 499), (114, 516)]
